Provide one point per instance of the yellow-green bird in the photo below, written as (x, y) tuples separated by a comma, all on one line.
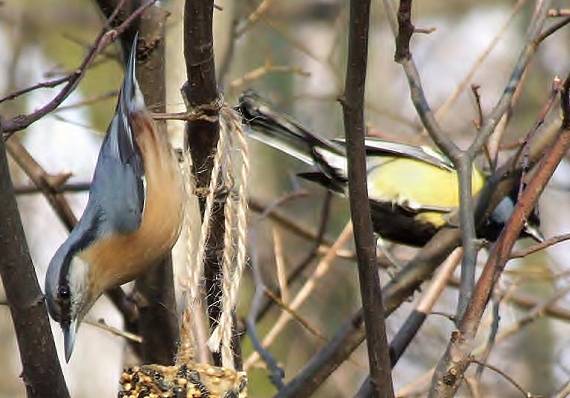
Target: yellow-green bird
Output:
[(412, 190)]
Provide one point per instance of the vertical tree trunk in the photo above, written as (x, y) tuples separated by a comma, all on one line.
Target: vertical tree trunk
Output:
[(201, 92), (158, 322), (353, 111), (202, 135), (41, 370)]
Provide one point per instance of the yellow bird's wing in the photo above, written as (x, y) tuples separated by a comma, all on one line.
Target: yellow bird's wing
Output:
[(378, 147)]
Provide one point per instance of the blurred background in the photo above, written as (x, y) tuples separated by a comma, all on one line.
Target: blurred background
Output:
[(294, 55)]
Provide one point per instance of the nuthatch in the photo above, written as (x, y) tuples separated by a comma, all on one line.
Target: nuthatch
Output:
[(128, 224)]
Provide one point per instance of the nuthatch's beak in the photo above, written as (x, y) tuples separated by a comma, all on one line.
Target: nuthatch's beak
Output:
[(69, 330)]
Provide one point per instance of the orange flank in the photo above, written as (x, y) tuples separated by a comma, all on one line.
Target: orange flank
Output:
[(119, 258)]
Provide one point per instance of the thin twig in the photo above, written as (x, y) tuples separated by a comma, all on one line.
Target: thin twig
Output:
[(276, 373), (105, 38), (43, 181), (264, 70), (540, 246), (29, 189), (455, 361), (318, 248), (415, 320), (255, 16), (304, 293), (552, 29), (285, 221), (526, 302), (444, 108), (475, 90), (302, 321), (280, 201), (48, 84), (492, 338), (505, 376), (113, 330), (525, 148), (87, 101), (280, 265)]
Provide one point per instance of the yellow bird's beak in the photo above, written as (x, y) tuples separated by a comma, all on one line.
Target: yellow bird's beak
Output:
[(533, 232)]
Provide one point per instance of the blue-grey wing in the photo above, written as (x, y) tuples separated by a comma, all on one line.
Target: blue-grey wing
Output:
[(117, 191), (116, 198)]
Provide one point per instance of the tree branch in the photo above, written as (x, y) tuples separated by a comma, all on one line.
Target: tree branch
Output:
[(450, 370), (353, 112), (41, 370), (351, 334), (202, 135), (417, 317), (462, 160), (104, 38)]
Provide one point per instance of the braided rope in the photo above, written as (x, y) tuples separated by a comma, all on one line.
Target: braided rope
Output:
[(235, 247), (231, 156), (190, 330), (198, 271), (187, 340)]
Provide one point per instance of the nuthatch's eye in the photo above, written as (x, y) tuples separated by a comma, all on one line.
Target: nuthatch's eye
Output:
[(63, 292)]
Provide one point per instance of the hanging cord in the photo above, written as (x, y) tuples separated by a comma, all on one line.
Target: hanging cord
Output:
[(231, 158), (191, 329), (235, 245)]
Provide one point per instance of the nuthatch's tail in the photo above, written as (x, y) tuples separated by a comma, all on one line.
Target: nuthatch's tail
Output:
[(131, 101)]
